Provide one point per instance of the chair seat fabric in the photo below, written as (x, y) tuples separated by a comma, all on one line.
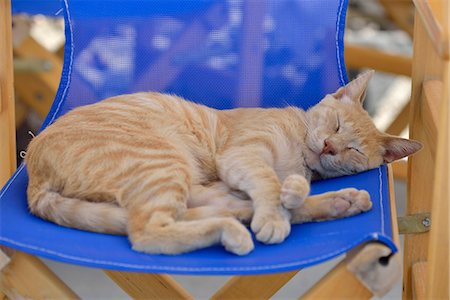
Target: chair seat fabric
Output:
[(222, 53), (308, 243)]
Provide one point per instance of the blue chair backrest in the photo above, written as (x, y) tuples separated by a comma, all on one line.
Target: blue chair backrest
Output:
[(222, 53)]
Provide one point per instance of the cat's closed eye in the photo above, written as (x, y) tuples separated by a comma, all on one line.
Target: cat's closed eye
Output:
[(338, 126), (355, 149)]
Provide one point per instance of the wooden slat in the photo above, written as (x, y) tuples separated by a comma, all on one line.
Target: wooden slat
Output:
[(339, 283), (401, 121), (401, 12), (400, 170), (419, 278), (393, 206), (439, 248), (7, 121), (435, 24), (148, 286), (37, 89), (25, 275), (426, 64), (21, 113), (28, 277), (253, 287), (431, 100), (364, 57)]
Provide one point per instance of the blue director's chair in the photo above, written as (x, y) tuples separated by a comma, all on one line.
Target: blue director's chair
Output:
[(225, 54)]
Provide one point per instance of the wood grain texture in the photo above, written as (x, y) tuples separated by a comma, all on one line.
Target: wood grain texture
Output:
[(148, 286), (37, 89), (426, 64), (438, 252), (364, 57), (435, 22), (339, 283), (27, 277), (7, 111), (400, 170), (431, 95), (253, 287), (419, 278), (401, 12)]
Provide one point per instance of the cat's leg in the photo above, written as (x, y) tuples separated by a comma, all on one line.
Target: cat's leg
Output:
[(216, 194), (162, 234), (332, 205), (218, 200), (247, 171), (156, 221)]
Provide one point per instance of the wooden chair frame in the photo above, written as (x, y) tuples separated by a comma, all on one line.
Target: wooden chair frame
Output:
[(26, 276)]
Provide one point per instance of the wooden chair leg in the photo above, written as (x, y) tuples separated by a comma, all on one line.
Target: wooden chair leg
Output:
[(400, 170), (439, 244), (26, 277), (427, 64), (339, 283), (7, 122), (148, 286), (253, 286)]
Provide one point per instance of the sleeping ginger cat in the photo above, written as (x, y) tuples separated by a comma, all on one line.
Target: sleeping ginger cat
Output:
[(177, 176)]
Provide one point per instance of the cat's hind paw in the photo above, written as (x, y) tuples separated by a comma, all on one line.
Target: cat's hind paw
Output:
[(351, 201), (236, 238), (294, 191)]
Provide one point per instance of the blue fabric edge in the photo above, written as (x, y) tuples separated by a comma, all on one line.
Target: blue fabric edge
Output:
[(264, 269), (66, 73), (340, 30)]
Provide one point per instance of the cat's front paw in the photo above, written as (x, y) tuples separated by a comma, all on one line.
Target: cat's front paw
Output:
[(350, 201), (294, 191), (236, 238), (271, 224)]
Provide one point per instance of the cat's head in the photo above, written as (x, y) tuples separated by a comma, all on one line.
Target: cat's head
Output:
[(342, 139)]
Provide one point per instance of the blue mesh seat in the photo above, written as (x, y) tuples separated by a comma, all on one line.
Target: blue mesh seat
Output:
[(222, 53)]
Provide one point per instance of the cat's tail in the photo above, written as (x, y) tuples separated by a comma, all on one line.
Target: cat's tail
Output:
[(99, 217)]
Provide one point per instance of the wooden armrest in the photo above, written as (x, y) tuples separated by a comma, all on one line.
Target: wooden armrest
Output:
[(433, 16)]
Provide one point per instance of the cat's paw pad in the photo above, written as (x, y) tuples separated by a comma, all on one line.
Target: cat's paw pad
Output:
[(294, 191), (236, 238), (271, 226), (351, 201)]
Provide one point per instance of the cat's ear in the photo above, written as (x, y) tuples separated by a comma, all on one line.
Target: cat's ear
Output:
[(396, 148), (355, 90)]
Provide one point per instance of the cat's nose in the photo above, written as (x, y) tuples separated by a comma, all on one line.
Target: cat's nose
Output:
[(328, 148)]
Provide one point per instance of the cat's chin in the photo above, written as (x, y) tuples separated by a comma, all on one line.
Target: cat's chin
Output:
[(314, 163)]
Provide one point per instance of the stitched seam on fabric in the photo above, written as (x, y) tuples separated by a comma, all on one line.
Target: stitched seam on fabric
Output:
[(12, 180), (69, 69), (338, 55), (381, 199), (180, 269)]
